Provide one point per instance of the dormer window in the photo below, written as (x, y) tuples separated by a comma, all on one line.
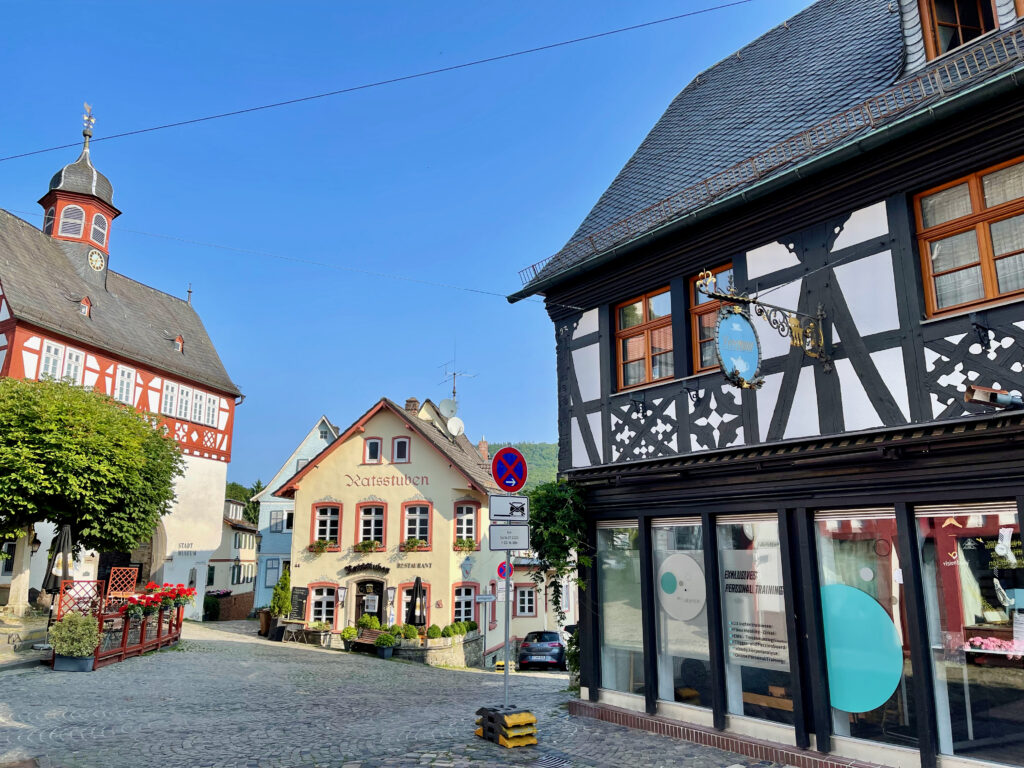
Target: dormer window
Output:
[(51, 214), (179, 345), (72, 221), (948, 24), (99, 229), (85, 307)]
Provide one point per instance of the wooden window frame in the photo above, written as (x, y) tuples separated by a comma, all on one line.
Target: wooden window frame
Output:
[(929, 24), (644, 327), (696, 311), (979, 220)]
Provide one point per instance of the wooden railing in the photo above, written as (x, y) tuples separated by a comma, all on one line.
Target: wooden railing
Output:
[(124, 637)]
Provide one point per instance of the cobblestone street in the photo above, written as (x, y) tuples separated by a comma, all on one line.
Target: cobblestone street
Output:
[(229, 698)]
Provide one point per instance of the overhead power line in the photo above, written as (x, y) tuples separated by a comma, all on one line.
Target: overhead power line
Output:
[(389, 81)]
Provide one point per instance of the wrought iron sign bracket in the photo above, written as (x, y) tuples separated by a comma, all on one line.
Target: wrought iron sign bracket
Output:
[(808, 332)]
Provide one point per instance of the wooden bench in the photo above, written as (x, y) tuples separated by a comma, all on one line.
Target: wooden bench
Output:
[(368, 636)]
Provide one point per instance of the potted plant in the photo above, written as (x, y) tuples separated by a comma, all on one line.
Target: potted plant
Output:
[(385, 643), (280, 605), (348, 636), (412, 545), (319, 546), (433, 635), (366, 546), (317, 632), (74, 639), (464, 545), (368, 621)]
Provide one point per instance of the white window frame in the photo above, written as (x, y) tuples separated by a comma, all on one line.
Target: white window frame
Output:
[(380, 450), (212, 410), (169, 401), (324, 605), (273, 565), (325, 515), (65, 219), (276, 520), (236, 540), (48, 220), (124, 376), (96, 219), (184, 402), (368, 522), (51, 362), (465, 517), (73, 371), (530, 597), (417, 522), (198, 405), (394, 450), (462, 607)]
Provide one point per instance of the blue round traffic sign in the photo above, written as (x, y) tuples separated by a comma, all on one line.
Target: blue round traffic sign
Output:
[(508, 468)]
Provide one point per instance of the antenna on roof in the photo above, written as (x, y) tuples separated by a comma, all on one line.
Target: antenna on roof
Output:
[(453, 374)]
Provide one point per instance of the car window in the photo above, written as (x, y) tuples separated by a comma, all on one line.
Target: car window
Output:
[(540, 637)]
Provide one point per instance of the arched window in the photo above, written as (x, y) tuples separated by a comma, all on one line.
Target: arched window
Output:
[(99, 229), (48, 221), (72, 221)]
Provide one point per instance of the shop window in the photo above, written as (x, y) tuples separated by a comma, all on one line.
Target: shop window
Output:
[(53, 361), (643, 339), (526, 601), (328, 523), (618, 597), (684, 658), (400, 450), (971, 239), (273, 572), (703, 318), (463, 603), (864, 615), (972, 568), (211, 574), (371, 524), (948, 24), (323, 605), (417, 522), (757, 673), (372, 450)]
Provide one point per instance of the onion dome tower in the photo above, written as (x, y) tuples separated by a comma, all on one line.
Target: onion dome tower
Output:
[(79, 204)]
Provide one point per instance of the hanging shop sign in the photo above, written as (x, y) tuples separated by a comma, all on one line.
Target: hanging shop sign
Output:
[(738, 348)]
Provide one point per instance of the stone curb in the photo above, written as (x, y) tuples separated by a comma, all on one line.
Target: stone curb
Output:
[(27, 663)]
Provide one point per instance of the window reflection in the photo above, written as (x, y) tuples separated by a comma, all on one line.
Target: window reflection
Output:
[(618, 582)]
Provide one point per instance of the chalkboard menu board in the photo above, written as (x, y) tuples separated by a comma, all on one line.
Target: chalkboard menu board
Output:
[(299, 595)]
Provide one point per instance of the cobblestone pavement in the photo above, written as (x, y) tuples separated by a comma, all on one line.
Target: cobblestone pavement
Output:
[(225, 697)]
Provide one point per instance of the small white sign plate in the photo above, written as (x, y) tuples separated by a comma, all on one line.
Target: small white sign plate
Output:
[(509, 537), (487, 598), (514, 509)]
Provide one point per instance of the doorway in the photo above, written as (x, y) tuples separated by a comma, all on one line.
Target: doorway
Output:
[(370, 599)]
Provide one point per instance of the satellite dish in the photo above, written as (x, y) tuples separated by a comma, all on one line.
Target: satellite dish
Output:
[(455, 426), (448, 408)]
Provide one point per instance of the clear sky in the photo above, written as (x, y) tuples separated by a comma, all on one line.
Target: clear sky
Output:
[(462, 178)]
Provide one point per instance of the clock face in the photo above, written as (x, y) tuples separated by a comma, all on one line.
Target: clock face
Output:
[(96, 260)]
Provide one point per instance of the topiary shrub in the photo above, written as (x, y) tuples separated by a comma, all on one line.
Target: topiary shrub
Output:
[(409, 632), (472, 626), (385, 640), (447, 631), (433, 632), (396, 630), (459, 627), (368, 621), (349, 633), (211, 608), (281, 599), (75, 635)]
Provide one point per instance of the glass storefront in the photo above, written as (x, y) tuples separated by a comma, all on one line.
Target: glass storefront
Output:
[(864, 617), (757, 675), (684, 668), (973, 577), (618, 596)]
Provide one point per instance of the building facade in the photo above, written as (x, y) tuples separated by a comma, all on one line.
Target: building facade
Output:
[(400, 495), (65, 314), (277, 515), (233, 564), (828, 563)]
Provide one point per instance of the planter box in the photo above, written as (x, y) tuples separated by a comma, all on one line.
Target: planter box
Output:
[(385, 653), (72, 663), (315, 637)]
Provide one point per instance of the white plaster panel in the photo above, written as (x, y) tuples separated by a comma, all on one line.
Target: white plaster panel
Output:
[(767, 398), (864, 224), (772, 344), (91, 362), (108, 383), (803, 417), (154, 401), (136, 396), (579, 448), (90, 378), (29, 361), (587, 324), (34, 342), (4, 312), (157, 383), (587, 362), (769, 258), (889, 363), (858, 410), (869, 288), (222, 420), (594, 420)]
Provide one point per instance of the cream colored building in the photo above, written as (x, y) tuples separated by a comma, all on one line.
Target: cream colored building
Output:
[(233, 564), (399, 475)]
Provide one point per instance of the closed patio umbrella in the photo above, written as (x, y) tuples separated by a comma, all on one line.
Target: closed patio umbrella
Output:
[(58, 569), (416, 614)]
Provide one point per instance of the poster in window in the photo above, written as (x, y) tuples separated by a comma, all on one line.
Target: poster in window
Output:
[(754, 607)]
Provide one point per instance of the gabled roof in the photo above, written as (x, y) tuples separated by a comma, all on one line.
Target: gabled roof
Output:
[(282, 474), (43, 287), (828, 57), (460, 452)]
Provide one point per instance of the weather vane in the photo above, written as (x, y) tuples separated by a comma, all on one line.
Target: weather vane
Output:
[(88, 121)]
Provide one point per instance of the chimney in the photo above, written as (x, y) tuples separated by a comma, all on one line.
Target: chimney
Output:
[(482, 447), (412, 405)]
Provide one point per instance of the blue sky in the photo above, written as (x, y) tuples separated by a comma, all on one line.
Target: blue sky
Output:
[(462, 178)]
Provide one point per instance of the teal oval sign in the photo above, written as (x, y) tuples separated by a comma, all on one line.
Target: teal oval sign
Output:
[(738, 348)]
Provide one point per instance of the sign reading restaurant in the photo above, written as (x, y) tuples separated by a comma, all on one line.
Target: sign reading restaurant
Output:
[(393, 481)]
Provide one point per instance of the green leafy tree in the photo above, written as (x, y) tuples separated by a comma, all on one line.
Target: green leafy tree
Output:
[(71, 456), (239, 492), (281, 599), (558, 536)]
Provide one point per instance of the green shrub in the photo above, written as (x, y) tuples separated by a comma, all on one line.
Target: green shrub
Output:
[(75, 635), (211, 608), (465, 545), (349, 633), (447, 631), (572, 653), (385, 640), (433, 632), (472, 626), (319, 626), (281, 600), (409, 632), (368, 621), (459, 627), (396, 630)]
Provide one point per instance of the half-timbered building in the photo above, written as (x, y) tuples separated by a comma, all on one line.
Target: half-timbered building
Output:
[(827, 565)]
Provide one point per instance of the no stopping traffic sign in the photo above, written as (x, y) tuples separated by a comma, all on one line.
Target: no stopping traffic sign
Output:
[(508, 468)]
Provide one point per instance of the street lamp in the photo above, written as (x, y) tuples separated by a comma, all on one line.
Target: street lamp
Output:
[(342, 591), (36, 543), (391, 595)]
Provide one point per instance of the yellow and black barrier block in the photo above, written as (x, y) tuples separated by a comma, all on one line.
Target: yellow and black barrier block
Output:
[(507, 726)]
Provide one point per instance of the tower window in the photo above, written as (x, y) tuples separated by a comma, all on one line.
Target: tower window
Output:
[(179, 344), (99, 229), (72, 221), (51, 214)]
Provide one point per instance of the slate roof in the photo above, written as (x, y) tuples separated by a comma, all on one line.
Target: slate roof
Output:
[(82, 178), (828, 57), (44, 281)]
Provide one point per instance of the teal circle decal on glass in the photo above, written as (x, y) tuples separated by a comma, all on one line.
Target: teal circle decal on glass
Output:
[(668, 583), (738, 348), (862, 647), (683, 591)]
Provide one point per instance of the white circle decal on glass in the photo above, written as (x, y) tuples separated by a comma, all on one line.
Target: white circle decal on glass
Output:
[(866, 574), (681, 589)]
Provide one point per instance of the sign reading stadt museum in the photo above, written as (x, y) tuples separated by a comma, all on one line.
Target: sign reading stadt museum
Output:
[(388, 481)]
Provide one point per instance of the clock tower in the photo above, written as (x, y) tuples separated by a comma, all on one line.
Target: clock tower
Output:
[(79, 204)]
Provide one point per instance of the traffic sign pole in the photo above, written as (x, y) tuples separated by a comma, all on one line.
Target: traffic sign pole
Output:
[(508, 578)]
